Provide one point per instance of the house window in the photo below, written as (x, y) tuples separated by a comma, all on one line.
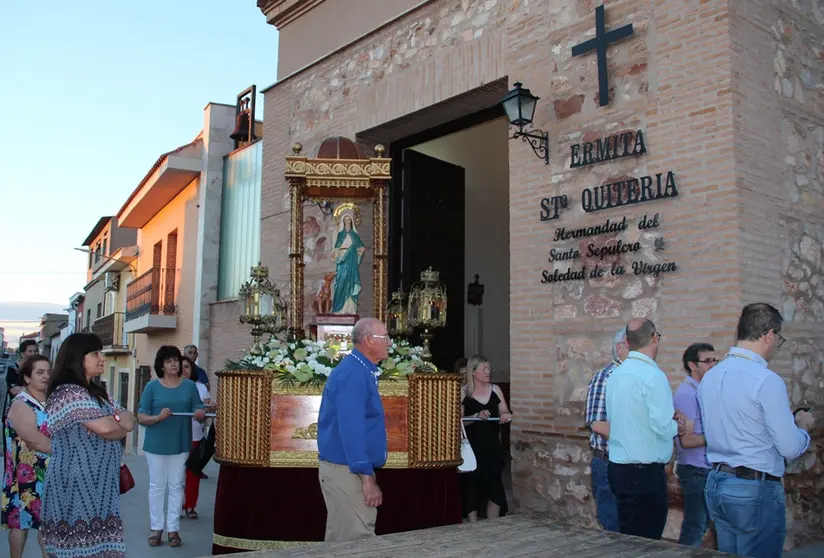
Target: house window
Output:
[(105, 246), (99, 309)]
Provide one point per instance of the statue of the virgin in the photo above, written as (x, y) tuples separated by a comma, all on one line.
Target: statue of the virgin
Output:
[(347, 255)]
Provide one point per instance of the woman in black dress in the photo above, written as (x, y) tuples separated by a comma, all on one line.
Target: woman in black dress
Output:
[(482, 490)]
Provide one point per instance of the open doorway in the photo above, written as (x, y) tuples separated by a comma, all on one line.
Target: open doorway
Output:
[(449, 209)]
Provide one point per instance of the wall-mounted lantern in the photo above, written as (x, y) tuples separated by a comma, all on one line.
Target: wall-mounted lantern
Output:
[(519, 106)]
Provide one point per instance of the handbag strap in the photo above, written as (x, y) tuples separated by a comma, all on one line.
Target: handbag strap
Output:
[(463, 430)]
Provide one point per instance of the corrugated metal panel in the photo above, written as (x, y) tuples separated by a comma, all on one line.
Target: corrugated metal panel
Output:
[(239, 219)]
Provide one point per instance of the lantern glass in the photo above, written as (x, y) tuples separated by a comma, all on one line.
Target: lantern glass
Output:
[(519, 106), (427, 301), (263, 308), (396, 318)]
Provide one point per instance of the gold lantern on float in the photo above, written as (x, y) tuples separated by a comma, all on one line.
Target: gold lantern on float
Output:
[(396, 317), (427, 306), (263, 307)]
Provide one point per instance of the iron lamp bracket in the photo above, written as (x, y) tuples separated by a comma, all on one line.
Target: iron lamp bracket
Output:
[(538, 140)]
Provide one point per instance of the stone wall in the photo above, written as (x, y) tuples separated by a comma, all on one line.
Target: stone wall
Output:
[(673, 79), (778, 65)]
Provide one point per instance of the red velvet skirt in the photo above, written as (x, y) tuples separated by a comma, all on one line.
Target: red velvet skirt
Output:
[(260, 508)]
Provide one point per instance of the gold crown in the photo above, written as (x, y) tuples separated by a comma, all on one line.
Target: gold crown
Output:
[(430, 275)]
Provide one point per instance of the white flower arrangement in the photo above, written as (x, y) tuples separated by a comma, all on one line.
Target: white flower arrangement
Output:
[(311, 362)]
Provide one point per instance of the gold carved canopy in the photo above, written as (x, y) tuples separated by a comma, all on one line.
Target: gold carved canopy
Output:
[(339, 172)]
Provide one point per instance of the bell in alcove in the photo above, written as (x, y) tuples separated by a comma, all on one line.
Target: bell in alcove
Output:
[(241, 131)]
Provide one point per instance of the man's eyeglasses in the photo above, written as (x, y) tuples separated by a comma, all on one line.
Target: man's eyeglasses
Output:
[(654, 333), (708, 361), (780, 339), (384, 337)]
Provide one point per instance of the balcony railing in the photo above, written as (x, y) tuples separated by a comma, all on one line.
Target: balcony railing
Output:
[(151, 293), (110, 330)]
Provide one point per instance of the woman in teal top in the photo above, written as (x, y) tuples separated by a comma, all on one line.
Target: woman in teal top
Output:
[(168, 440)]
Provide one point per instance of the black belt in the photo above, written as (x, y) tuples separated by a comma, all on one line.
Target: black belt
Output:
[(600, 454), (745, 472)]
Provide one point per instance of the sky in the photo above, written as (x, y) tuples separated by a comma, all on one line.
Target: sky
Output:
[(91, 93)]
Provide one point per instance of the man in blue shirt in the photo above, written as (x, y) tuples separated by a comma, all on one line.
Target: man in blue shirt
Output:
[(641, 430), (750, 430), (596, 420), (352, 436)]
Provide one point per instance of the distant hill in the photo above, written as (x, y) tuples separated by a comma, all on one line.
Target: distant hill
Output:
[(28, 311)]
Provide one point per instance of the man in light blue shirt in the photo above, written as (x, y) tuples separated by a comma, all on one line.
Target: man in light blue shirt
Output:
[(641, 430), (750, 430)]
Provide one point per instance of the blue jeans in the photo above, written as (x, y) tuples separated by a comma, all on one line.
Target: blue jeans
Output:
[(749, 515), (605, 505), (693, 480)]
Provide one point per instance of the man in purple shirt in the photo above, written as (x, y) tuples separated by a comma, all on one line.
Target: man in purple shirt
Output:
[(691, 455)]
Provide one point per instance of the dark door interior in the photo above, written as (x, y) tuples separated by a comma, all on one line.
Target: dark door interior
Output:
[(430, 233)]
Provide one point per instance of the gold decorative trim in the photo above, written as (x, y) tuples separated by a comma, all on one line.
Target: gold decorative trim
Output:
[(255, 544), (387, 388), (298, 389), (309, 459), (359, 169), (313, 182), (306, 433), (397, 460), (394, 388), (282, 458)]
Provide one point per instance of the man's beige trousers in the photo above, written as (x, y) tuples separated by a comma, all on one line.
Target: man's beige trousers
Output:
[(347, 516)]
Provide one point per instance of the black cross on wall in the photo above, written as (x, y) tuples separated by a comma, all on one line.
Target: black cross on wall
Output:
[(599, 43)]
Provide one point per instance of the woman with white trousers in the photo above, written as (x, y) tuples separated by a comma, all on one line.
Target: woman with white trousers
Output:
[(167, 441)]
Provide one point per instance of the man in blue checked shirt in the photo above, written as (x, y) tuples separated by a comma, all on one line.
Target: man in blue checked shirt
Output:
[(596, 420), (750, 431), (352, 436), (642, 426)]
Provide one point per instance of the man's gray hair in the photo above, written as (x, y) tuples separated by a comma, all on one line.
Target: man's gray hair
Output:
[(187, 347), (619, 337), (363, 329)]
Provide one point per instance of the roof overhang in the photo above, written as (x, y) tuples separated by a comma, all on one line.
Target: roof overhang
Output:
[(168, 177), (96, 230), (282, 12)]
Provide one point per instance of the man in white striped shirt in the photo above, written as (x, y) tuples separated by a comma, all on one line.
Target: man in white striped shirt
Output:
[(642, 428)]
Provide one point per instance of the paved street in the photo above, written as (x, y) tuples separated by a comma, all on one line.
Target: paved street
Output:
[(196, 535)]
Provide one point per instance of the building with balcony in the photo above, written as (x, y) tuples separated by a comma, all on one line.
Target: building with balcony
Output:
[(175, 211), (111, 249), (101, 308)]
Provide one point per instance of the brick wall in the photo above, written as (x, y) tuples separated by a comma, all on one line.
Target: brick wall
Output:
[(674, 79)]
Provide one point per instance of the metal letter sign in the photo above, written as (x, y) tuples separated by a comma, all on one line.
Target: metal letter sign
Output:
[(599, 43)]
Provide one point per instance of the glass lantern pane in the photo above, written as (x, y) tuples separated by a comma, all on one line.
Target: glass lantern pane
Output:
[(267, 304), (512, 109), (528, 103)]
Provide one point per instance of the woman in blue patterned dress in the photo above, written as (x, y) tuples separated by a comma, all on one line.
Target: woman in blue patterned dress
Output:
[(81, 504), (27, 449)]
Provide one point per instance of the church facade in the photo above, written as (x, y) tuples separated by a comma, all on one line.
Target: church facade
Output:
[(685, 178)]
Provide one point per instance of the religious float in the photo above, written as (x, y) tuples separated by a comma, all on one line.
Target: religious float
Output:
[(268, 494)]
